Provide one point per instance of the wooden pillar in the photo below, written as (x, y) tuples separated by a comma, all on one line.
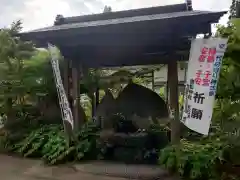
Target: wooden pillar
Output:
[(153, 81), (75, 96), (97, 97), (82, 116), (174, 104), (67, 85), (70, 85), (237, 9), (167, 89), (93, 104)]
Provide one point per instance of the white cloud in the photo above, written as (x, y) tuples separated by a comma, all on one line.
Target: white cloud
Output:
[(213, 5), (40, 13)]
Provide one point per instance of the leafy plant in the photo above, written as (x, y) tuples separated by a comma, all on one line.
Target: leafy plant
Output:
[(193, 160), (50, 143)]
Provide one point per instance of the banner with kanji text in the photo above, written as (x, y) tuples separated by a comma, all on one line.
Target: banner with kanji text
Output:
[(203, 71)]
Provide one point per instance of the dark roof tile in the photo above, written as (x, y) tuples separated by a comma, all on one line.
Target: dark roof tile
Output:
[(174, 15), (124, 14)]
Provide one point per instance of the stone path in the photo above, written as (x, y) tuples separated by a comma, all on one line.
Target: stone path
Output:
[(26, 169)]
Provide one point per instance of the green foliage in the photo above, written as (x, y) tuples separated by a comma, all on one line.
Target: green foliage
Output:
[(49, 142), (226, 113), (12, 53), (193, 160), (162, 92), (229, 82), (214, 156), (234, 9), (204, 159)]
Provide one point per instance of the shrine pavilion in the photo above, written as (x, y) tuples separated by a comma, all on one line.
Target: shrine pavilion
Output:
[(147, 36)]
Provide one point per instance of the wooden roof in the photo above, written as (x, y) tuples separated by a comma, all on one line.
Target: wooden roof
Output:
[(125, 20), (133, 37), (123, 14)]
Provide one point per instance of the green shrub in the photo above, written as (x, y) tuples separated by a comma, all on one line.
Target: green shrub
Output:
[(50, 143), (193, 160)]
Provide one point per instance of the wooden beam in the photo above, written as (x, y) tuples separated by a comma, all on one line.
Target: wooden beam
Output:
[(94, 57), (114, 61), (174, 105)]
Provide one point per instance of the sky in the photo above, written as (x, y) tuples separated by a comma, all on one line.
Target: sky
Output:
[(41, 13)]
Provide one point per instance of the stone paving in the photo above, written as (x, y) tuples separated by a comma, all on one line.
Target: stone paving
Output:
[(12, 168)]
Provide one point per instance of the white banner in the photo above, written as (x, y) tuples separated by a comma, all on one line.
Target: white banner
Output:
[(63, 101), (203, 70)]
